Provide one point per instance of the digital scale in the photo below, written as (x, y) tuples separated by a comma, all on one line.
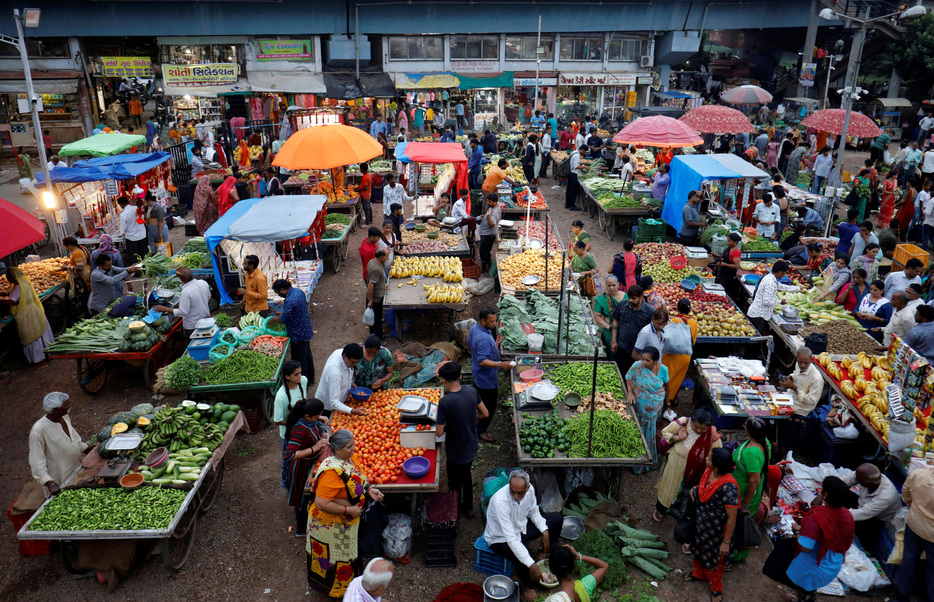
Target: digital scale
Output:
[(788, 325), (205, 329), (416, 409), (715, 289)]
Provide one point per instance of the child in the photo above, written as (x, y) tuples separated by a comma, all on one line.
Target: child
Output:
[(647, 293), (868, 261)]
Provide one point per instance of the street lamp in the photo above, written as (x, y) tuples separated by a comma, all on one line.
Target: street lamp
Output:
[(30, 18), (851, 93)]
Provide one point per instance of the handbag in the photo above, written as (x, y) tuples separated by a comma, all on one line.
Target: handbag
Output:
[(852, 199), (686, 527), (663, 446), (776, 565), (746, 534), (678, 340), (588, 286)]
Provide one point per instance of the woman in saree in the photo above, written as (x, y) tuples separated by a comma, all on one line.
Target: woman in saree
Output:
[(562, 562), (752, 465), (627, 266), (340, 490), (584, 263), (717, 498), (647, 390), (677, 363), (35, 333), (691, 440), (887, 206), (306, 438), (205, 205), (905, 209), (227, 195), (603, 306)]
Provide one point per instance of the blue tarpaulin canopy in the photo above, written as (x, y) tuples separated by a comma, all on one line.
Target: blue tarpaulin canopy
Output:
[(116, 167), (400, 152), (262, 220), (687, 173), (73, 175)]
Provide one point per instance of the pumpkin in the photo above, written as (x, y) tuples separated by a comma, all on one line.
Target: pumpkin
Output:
[(120, 427), (137, 326), (142, 421)]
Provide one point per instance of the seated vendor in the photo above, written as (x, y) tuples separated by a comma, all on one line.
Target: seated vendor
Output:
[(193, 301), (879, 502), (374, 370), (512, 519), (805, 384), (337, 378), (55, 447), (441, 210)]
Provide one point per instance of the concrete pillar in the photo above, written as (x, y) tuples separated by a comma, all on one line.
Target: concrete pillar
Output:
[(810, 39), (895, 84), (664, 74)]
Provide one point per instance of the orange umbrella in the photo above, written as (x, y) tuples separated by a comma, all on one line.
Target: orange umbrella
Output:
[(326, 147)]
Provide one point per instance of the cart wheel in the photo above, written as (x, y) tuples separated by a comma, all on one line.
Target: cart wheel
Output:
[(601, 221), (336, 261), (68, 554), (92, 374), (354, 218), (268, 406), (591, 207), (610, 227), (177, 546), (345, 249), (56, 313), (208, 491)]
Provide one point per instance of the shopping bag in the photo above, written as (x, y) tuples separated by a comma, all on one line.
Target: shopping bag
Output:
[(746, 534), (369, 317), (164, 248), (678, 340), (686, 528)]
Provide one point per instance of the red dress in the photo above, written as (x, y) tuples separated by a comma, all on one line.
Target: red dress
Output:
[(907, 211), (887, 206)]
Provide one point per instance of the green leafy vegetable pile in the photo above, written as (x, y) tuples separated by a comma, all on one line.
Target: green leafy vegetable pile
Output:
[(611, 201), (223, 320), (244, 366), (330, 234), (196, 244), (337, 218), (542, 313), (759, 245), (600, 545), (613, 436), (183, 373), (154, 265), (191, 260)]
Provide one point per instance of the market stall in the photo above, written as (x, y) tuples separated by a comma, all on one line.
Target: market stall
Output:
[(424, 240), (437, 153), (554, 424), (733, 393), (336, 238), (564, 326), (615, 203), (102, 145), (114, 495), (253, 226), (425, 284)]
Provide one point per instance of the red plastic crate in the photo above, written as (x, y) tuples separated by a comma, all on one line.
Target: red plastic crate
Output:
[(35, 547), (471, 268)]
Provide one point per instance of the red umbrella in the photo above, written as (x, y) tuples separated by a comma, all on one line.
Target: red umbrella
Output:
[(717, 119), (658, 130), (831, 121), (746, 95), (18, 228)]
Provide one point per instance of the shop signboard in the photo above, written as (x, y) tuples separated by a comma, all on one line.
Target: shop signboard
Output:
[(475, 66), (284, 50), (603, 79), (520, 82), (209, 74), (121, 66), (808, 73)]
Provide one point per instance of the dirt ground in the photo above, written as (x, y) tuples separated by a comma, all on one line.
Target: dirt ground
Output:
[(245, 548)]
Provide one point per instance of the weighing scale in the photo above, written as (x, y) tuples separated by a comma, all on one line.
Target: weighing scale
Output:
[(126, 444), (715, 289), (788, 325), (416, 409), (205, 329), (527, 400), (504, 193)]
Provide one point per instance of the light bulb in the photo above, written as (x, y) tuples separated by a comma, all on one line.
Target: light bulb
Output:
[(49, 199)]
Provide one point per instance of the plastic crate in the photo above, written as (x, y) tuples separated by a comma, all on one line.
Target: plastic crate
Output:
[(441, 548), (34, 547), (646, 228), (649, 238), (488, 562), (905, 252), (470, 267)]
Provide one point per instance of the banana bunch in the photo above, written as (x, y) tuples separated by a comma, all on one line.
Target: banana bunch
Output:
[(835, 371), (855, 370), (846, 362), (443, 293), (177, 430), (879, 374), (516, 174), (882, 361), (450, 268), (866, 360), (824, 360)]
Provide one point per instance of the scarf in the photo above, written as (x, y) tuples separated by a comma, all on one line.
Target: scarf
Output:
[(836, 529), (223, 195), (706, 489), (106, 245), (354, 481), (697, 457)]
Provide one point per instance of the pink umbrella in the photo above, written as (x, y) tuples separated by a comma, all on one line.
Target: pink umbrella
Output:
[(658, 130), (717, 119), (831, 121), (746, 95)]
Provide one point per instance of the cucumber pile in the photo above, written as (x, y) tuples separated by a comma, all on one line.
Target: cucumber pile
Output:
[(179, 468)]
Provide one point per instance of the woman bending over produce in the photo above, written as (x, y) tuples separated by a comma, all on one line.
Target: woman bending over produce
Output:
[(562, 562), (584, 263), (678, 363), (647, 390), (603, 307), (717, 497), (691, 440), (307, 436), (752, 467), (35, 332)]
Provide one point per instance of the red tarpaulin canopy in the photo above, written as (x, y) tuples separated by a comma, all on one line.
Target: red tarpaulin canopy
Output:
[(441, 152), (18, 228)]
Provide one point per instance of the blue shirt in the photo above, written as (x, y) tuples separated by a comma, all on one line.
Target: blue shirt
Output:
[(459, 109), (483, 347), (553, 124), (806, 573), (660, 187), (476, 156), (538, 121), (921, 339), (379, 126), (847, 231), (295, 315), (813, 218), (447, 137)]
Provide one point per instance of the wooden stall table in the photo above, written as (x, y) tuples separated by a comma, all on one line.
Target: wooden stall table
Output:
[(409, 298)]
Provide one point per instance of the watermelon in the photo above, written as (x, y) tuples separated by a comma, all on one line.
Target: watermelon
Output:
[(228, 417), (103, 452)]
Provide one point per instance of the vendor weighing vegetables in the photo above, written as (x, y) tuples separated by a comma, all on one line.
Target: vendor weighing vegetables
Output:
[(193, 302), (55, 447), (337, 378), (374, 369)]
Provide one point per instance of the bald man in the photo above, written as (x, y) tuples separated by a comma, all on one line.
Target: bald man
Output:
[(805, 384), (879, 502)]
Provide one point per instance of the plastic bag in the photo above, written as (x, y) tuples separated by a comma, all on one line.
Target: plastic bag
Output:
[(220, 351), (272, 331), (577, 477), (247, 335), (857, 571), (901, 435), (479, 287), (397, 536), (846, 432), (899, 522), (493, 481), (369, 317), (551, 500)]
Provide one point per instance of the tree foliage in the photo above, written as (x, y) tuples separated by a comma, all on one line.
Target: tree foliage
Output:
[(911, 56)]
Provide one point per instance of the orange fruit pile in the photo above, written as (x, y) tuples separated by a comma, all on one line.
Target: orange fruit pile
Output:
[(376, 436)]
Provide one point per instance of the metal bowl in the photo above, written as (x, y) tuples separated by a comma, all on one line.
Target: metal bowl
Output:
[(535, 243), (544, 391), (572, 527), (499, 587), (531, 279)]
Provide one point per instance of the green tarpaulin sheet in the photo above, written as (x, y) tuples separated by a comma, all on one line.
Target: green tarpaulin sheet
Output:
[(503, 80), (102, 145)]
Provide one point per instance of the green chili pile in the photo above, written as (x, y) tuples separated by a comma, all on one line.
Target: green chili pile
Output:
[(578, 377), (243, 366), (613, 436), (110, 509)]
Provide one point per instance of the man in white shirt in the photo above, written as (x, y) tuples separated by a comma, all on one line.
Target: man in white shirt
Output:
[(193, 301), (765, 299), (54, 162), (914, 296), (134, 233), (512, 519), (579, 140), (393, 193), (927, 225), (899, 281), (879, 502), (823, 165), (459, 212), (570, 197), (926, 125), (372, 584), (927, 165), (337, 378), (806, 384), (768, 214), (902, 320)]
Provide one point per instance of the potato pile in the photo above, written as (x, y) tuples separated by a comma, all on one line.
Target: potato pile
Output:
[(530, 262), (43, 274)]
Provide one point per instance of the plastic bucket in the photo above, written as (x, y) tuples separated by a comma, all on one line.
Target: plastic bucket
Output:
[(535, 343)]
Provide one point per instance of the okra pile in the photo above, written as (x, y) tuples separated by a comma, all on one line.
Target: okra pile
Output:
[(110, 509)]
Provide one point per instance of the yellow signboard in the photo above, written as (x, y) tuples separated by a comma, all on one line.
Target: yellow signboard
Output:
[(210, 74), (122, 66)]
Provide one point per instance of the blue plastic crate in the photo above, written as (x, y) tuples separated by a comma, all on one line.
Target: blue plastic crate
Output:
[(200, 348), (488, 562)]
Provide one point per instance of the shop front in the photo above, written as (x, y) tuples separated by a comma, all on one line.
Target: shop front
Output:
[(485, 93), (198, 72), (108, 73), (521, 99), (62, 113), (606, 95)]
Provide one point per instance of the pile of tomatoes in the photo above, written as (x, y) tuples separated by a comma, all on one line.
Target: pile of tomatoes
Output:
[(376, 436)]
